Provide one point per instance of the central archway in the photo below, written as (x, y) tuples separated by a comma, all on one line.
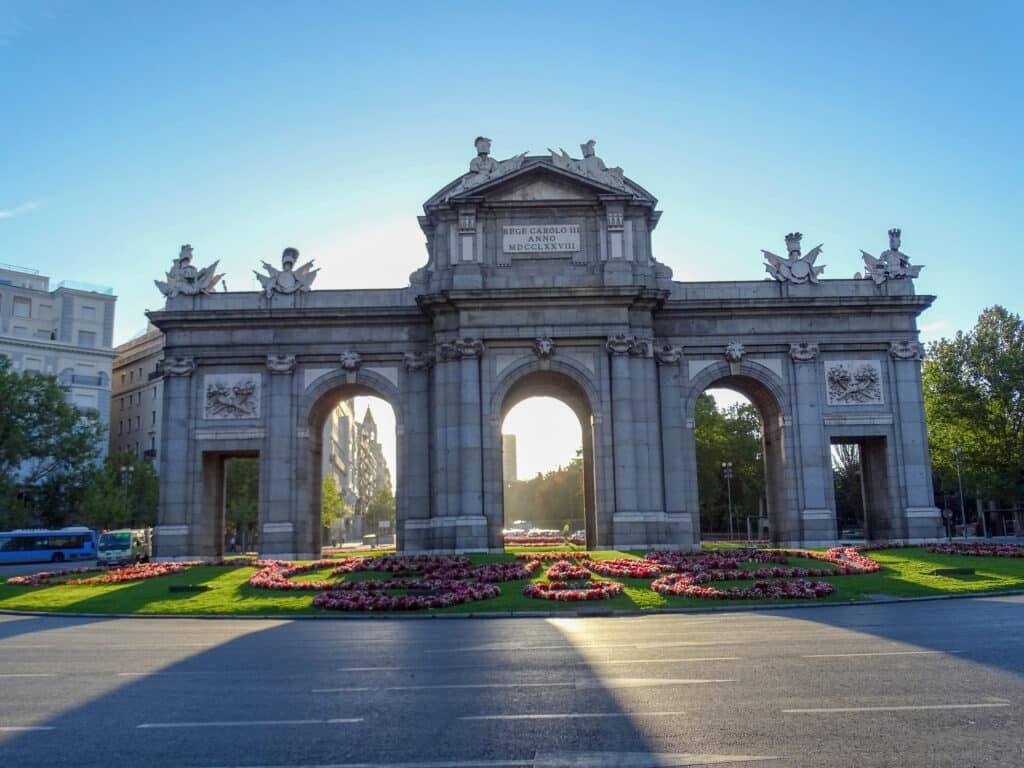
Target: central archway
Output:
[(764, 391), (566, 389)]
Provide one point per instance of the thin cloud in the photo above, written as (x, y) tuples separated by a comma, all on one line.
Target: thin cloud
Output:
[(939, 325), (10, 213)]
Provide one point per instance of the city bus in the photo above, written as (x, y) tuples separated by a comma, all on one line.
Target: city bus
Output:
[(34, 545)]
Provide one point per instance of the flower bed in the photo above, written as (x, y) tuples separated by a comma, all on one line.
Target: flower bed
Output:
[(631, 569), (689, 562), (371, 595), (573, 592), (685, 584), (505, 571), (551, 556), (977, 550), (276, 575), (563, 570), (136, 572), (540, 541)]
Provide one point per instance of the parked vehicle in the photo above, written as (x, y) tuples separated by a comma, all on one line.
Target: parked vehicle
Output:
[(30, 545), (125, 546)]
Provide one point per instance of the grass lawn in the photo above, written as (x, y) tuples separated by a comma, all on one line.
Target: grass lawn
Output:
[(904, 573)]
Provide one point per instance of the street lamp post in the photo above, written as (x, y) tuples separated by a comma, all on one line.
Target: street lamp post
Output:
[(958, 454), (727, 471)]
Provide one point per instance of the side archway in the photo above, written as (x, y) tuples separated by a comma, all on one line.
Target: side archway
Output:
[(315, 406)]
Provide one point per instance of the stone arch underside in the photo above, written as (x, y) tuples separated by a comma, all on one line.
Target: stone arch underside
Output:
[(766, 392), (569, 386)]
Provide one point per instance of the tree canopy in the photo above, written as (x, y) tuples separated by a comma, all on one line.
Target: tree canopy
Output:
[(974, 400), (47, 448), (120, 493)]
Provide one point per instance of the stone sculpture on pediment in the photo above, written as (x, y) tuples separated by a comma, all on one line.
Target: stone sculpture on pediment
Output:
[(891, 264), (288, 279), (185, 280), (589, 166), (734, 351), (794, 268), (803, 352), (484, 168)]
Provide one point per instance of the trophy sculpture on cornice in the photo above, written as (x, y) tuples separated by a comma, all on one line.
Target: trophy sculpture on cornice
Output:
[(794, 268), (184, 279), (287, 279)]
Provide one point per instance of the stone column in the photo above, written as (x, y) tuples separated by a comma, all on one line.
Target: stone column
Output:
[(623, 439), (681, 524), (285, 530), (923, 519), (173, 535), (414, 454), (815, 452), (470, 460)]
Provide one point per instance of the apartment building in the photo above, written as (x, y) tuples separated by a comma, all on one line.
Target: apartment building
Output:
[(137, 395)]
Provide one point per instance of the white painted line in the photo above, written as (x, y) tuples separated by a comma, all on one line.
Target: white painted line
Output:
[(572, 715), (470, 686), (638, 759), (28, 674), (598, 662), (905, 708), (876, 653), (18, 728), (247, 723), (343, 690), (643, 682), (526, 762), (578, 648), (372, 669), (22, 647)]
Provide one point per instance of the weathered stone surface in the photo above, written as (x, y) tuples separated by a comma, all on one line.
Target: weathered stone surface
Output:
[(474, 333)]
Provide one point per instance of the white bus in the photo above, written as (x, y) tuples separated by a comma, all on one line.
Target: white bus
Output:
[(125, 546)]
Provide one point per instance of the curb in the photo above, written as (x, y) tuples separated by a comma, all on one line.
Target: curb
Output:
[(591, 614)]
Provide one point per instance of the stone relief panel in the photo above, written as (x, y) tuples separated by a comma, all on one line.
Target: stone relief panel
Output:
[(853, 382), (231, 396)]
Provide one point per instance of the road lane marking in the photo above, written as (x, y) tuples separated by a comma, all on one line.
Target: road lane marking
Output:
[(526, 762), (579, 648), (903, 708), (593, 663), (572, 715), (28, 674), (876, 653), (582, 684), (247, 723), (559, 760), (18, 728)]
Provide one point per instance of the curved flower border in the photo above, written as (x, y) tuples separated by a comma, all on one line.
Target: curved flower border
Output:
[(563, 570), (574, 592)]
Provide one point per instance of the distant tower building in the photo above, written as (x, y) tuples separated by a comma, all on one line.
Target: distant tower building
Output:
[(509, 468)]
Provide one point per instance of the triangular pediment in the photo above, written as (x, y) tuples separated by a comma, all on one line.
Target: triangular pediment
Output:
[(537, 180)]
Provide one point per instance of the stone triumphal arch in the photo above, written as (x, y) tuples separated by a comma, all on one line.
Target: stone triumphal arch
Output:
[(540, 279)]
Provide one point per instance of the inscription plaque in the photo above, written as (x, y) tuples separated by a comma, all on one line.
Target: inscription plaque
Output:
[(540, 238)]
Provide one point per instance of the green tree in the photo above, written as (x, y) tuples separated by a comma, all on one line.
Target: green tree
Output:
[(974, 399), (846, 479), (381, 507), (47, 447), (120, 493), (332, 506), (241, 492), (733, 436)]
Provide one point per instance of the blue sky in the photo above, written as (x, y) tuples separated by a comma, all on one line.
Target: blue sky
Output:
[(127, 129)]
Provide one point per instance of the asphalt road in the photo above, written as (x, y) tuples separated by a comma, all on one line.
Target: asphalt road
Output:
[(934, 684)]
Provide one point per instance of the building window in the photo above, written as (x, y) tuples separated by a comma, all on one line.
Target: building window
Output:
[(154, 418), (120, 427), (124, 378), (86, 338), (131, 376), (33, 365), (122, 403), (22, 307), (89, 313), (154, 393), (138, 425)]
